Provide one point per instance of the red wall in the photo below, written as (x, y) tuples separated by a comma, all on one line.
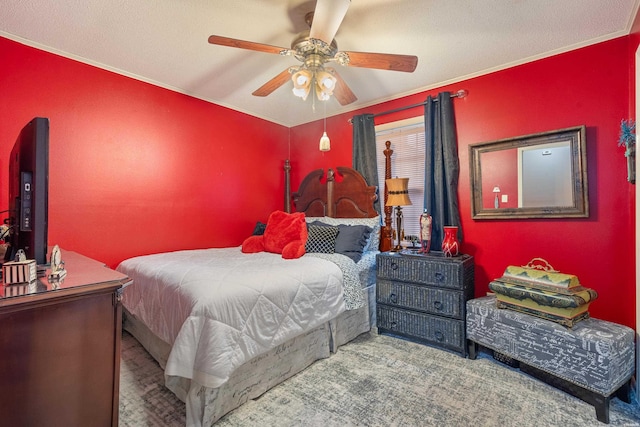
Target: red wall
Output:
[(134, 168), (590, 86), (138, 169)]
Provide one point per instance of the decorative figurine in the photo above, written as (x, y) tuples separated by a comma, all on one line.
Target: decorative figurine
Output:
[(425, 232), (58, 271)]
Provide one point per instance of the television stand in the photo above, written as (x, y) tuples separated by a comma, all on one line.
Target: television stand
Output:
[(60, 347)]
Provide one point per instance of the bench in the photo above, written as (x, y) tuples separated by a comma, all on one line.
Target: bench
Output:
[(593, 361)]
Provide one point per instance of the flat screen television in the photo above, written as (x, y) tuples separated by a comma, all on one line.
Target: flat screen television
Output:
[(29, 192)]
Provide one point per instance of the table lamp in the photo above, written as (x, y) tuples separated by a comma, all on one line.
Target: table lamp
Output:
[(398, 196)]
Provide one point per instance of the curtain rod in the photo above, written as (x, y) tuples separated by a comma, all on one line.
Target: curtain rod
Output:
[(459, 94)]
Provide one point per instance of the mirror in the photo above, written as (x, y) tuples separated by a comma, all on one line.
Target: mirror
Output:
[(534, 176)]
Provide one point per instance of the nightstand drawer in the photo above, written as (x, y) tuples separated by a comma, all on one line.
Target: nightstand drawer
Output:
[(429, 270), (441, 331), (442, 302)]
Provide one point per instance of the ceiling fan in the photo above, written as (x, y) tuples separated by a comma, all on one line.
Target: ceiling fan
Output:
[(316, 47)]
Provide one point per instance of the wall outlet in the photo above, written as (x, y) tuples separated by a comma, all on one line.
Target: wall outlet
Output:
[(505, 198)]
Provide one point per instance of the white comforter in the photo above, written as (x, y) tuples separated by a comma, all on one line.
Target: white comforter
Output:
[(219, 308)]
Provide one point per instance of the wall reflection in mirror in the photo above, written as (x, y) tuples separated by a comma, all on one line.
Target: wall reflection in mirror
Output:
[(533, 176)]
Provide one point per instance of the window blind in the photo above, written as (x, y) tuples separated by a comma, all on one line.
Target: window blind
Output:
[(407, 161)]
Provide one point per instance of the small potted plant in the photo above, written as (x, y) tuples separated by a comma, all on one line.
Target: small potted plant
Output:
[(628, 141)]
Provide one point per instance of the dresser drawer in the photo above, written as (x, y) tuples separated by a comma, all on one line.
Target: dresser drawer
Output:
[(442, 302), (441, 331), (430, 270)]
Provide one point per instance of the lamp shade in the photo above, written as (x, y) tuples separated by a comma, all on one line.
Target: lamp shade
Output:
[(398, 192)]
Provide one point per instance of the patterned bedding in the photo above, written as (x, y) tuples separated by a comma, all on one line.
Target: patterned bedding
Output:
[(352, 286), (219, 308)]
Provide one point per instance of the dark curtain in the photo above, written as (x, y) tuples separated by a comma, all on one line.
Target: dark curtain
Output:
[(442, 166), (364, 151)]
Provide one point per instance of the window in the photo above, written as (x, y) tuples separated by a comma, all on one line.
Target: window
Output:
[(407, 161)]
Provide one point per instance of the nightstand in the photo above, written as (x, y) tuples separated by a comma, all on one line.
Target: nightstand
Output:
[(423, 298)]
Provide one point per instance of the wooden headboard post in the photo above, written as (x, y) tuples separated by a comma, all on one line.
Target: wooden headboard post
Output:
[(331, 181), (287, 186), (386, 232)]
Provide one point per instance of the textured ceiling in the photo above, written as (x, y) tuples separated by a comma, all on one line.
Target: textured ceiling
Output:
[(164, 42)]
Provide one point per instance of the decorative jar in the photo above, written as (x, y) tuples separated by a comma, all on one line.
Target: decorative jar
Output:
[(450, 243)]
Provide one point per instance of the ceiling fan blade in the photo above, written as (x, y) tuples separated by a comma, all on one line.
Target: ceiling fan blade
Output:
[(327, 19), (227, 41), (342, 92), (273, 84), (383, 61)]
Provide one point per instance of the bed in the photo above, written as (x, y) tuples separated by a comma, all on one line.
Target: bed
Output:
[(224, 337)]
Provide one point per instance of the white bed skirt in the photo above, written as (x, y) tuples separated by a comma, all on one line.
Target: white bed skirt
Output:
[(206, 405)]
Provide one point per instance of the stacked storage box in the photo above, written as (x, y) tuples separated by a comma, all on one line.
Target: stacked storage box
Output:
[(539, 290)]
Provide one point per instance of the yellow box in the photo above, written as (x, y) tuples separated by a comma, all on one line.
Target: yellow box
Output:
[(541, 279), (19, 271)]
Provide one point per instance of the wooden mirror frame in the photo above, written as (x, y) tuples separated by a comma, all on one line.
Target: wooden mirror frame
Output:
[(580, 208)]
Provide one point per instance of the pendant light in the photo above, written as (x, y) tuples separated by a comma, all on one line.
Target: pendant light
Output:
[(325, 142)]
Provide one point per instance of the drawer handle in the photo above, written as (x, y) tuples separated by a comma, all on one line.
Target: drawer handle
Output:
[(393, 298), (394, 266), (439, 336), (437, 305), (439, 277)]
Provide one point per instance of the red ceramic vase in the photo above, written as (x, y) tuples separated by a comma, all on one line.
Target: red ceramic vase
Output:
[(450, 244)]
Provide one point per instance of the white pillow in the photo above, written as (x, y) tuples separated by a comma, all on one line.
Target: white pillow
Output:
[(374, 238)]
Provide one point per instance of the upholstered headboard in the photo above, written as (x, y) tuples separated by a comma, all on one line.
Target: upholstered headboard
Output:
[(344, 194)]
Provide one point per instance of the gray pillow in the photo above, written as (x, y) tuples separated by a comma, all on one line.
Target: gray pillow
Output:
[(351, 239), (374, 238)]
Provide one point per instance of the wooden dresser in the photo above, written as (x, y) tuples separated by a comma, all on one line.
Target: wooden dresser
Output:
[(60, 348), (423, 298)]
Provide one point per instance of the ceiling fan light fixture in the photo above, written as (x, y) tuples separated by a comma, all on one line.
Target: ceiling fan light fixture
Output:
[(322, 95), (301, 78), (323, 81), (302, 83), (326, 81), (301, 92), (315, 48)]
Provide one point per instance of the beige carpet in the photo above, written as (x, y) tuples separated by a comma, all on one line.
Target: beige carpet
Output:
[(376, 381)]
